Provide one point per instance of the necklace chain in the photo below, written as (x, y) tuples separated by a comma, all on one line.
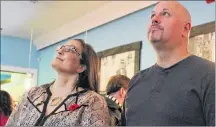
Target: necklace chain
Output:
[(56, 100)]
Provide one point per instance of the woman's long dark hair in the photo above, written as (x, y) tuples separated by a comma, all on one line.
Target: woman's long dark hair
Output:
[(6, 105), (89, 78)]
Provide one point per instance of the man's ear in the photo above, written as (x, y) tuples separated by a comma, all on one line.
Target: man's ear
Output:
[(186, 30), (81, 69), (122, 92)]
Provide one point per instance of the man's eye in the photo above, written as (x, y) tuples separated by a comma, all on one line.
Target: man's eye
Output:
[(165, 14), (152, 16)]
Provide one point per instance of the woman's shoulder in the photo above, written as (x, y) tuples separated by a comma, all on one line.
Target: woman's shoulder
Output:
[(91, 94), (93, 98), (96, 112), (36, 91)]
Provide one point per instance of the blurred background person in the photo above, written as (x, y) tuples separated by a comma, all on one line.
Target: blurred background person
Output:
[(116, 91), (6, 107)]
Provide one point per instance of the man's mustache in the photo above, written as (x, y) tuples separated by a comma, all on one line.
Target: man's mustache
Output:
[(156, 26)]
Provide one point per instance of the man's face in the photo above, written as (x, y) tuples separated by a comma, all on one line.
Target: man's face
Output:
[(164, 24)]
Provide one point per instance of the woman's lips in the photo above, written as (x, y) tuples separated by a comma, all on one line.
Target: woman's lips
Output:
[(59, 58)]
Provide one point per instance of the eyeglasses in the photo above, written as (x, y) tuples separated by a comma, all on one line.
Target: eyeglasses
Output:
[(69, 48)]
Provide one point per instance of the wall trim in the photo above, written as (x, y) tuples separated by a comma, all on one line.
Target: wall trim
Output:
[(202, 29), (100, 16)]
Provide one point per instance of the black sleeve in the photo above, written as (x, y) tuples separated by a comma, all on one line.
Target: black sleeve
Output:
[(208, 99), (123, 120)]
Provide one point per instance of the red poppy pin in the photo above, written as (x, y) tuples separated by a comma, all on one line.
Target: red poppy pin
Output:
[(209, 1), (73, 107)]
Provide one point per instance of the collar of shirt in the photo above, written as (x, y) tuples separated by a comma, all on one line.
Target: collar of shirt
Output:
[(114, 99)]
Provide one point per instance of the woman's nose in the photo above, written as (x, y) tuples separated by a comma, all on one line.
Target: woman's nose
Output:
[(60, 51)]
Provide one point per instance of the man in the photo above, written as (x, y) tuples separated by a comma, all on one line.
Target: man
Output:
[(179, 90), (116, 91)]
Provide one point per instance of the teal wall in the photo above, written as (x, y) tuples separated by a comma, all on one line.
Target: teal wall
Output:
[(125, 30), (15, 52)]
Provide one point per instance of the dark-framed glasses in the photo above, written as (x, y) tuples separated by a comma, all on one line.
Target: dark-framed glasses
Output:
[(69, 48)]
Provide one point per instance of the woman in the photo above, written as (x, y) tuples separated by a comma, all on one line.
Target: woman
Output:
[(71, 100), (6, 107)]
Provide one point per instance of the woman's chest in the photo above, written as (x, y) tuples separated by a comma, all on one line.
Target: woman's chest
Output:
[(31, 115)]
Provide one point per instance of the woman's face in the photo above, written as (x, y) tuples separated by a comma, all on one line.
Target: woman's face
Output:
[(68, 57)]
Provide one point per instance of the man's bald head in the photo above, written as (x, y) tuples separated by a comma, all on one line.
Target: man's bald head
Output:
[(170, 24), (177, 8)]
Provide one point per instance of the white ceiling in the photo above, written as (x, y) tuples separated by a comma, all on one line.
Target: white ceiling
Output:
[(53, 21), (19, 17)]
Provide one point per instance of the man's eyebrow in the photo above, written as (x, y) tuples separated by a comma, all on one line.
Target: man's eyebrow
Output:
[(165, 9)]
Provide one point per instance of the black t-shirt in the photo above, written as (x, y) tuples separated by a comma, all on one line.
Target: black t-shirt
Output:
[(181, 95)]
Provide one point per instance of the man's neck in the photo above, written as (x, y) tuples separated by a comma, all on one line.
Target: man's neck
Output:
[(166, 59)]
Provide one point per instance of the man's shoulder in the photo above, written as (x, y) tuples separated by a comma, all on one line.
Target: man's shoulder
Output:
[(111, 104), (203, 65), (141, 75), (114, 111), (203, 62)]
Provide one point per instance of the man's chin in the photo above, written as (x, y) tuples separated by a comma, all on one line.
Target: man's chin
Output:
[(157, 44), (155, 41)]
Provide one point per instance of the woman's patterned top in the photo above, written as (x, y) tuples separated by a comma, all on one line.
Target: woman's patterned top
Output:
[(93, 110)]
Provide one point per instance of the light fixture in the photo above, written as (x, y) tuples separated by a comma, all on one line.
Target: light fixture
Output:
[(34, 1), (28, 82), (86, 36), (29, 79)]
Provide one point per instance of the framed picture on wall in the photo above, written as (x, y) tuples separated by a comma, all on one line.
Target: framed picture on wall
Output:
[(202, 41), (16, 80), (123, 60)]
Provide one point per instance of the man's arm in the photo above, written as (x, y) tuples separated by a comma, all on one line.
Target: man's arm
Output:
[(208, 99)]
